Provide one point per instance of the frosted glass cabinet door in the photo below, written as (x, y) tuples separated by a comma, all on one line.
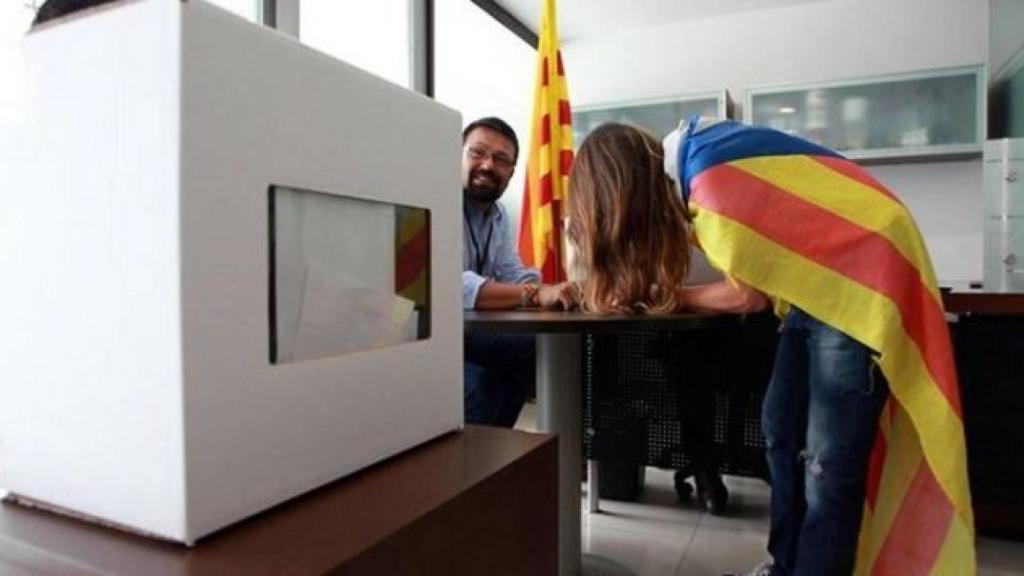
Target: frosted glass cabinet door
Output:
[(929, 113), (658, 116)]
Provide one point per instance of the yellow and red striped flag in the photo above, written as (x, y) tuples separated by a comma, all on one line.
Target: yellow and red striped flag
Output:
[(814, 230), (549, 158), (412, 258)]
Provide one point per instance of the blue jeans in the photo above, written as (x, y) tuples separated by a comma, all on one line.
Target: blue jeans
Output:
[(498, 373), (819, 417)]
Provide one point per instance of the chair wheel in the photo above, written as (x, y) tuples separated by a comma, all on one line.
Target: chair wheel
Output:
[(711, 492), (684, 490)]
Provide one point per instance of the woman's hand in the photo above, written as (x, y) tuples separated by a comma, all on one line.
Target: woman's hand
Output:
[(563, 295)]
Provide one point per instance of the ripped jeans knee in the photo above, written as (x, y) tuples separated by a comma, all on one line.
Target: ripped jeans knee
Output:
[(812, 464), (832, 485)]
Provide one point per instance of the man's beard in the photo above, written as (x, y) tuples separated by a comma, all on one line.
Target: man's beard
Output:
[(485, 192)]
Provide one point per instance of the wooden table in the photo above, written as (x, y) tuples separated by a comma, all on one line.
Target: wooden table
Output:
[(962, 300), (480, 501), (559, 396)]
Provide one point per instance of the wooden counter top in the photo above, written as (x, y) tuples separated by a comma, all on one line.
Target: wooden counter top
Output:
[(470, 499), (978, 301)]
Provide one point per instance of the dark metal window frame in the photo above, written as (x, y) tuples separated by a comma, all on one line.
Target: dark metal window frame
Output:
[(422, 34), (506, 19), (269, 13)]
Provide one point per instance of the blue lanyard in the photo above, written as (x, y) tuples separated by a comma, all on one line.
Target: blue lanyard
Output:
[(480, 257)]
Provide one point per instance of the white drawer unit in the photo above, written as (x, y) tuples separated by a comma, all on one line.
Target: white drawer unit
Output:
[(1004, 215)]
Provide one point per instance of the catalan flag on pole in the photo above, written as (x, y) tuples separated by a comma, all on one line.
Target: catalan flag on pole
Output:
[(831, 240), (549, 159)]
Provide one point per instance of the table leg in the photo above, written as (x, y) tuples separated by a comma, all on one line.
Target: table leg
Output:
[(593, 485), (559, 411)]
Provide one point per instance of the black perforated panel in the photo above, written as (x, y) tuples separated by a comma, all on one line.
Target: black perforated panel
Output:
[(668, 399)]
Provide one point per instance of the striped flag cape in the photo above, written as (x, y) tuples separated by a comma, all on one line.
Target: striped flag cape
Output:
[(814, 230), (549, 160)]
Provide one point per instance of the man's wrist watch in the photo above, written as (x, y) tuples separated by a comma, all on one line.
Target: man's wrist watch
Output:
[(530, 295)]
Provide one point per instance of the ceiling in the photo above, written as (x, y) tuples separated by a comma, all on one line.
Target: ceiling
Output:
[(589, 18)]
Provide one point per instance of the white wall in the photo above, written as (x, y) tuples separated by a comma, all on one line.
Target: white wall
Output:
[(804, 43), (15, 18), (482, 69), (371, 35), (14, 21)]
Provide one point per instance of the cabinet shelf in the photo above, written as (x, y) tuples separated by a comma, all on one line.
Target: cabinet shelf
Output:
[(926, 115)]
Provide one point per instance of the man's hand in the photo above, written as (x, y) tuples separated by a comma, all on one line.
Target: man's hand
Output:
[(564, 296)]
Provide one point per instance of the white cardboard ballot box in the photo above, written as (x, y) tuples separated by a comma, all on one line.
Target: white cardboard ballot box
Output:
[(230, 269)]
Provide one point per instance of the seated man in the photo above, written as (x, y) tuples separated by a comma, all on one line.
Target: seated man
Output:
[(499, 368)]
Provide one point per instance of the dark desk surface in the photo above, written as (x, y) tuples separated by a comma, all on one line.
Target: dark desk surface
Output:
[(311, 534), (977, 301), (959, 300), (552, 321)]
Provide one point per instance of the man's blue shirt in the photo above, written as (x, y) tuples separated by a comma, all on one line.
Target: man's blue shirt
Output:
[(488, 253)]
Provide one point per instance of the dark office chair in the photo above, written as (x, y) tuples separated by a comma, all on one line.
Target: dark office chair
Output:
[(688, 401)]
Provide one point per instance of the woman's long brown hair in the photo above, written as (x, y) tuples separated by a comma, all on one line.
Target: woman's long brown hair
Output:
[(627, 223)]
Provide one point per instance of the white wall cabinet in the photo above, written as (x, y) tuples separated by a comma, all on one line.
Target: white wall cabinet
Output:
[(657, 115), (913, 116)]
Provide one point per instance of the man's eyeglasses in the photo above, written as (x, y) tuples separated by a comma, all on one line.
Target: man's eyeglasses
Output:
[(500, 159)]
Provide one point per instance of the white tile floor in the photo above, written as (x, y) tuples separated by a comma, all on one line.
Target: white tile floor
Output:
[(660, 536)]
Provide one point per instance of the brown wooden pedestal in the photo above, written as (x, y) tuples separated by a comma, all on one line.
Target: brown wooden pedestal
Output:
[(478, 502)]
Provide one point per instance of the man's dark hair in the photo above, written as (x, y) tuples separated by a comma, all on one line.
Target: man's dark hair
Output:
[(53, 9), (496, 125)]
